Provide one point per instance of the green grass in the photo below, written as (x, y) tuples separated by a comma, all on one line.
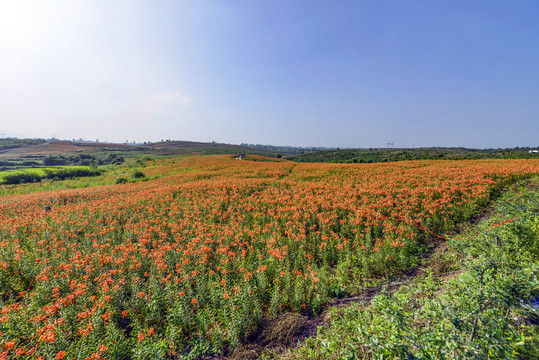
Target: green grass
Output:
[(41, 171), (48, 184), (109, 177), (480, 313), (38, 171)]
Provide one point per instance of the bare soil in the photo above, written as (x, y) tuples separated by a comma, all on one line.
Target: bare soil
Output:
[(62, 147)]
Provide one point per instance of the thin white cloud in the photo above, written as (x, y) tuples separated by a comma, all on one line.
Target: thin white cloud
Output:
[(164, 101)]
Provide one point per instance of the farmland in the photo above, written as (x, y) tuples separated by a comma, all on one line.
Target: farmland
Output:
[(189, 263), (37, 171), (29, 175)]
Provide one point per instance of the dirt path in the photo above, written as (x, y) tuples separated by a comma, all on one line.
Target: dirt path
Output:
[(286, 331)]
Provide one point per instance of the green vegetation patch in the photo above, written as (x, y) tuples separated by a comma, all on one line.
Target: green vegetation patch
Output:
[(390, 154), (12, 143), (83, 159), (37, 175)]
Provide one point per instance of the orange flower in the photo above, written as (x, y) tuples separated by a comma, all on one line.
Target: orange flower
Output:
[(141, 336), (216, 223), (10, 344)]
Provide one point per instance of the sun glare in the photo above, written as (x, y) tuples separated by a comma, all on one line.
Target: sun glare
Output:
[(16, 20)]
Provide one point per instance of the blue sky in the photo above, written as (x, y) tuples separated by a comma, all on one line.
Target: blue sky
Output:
[(304, 73)]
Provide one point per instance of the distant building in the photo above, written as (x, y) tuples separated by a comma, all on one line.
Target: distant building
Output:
[(533, 151)]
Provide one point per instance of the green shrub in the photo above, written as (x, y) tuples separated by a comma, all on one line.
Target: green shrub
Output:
[(20, 178), (137, 174), (71, 173)]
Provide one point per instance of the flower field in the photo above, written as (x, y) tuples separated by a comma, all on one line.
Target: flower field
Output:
[(189, 263)]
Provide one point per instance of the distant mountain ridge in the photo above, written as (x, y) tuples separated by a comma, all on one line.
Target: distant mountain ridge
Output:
[(12, 148)]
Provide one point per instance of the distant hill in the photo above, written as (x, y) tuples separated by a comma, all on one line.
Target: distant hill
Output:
[(389, 154), (204, 148), (16, 153), (22, 147), (43, 147), (13, 143), (22, 153), (287, 151)]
